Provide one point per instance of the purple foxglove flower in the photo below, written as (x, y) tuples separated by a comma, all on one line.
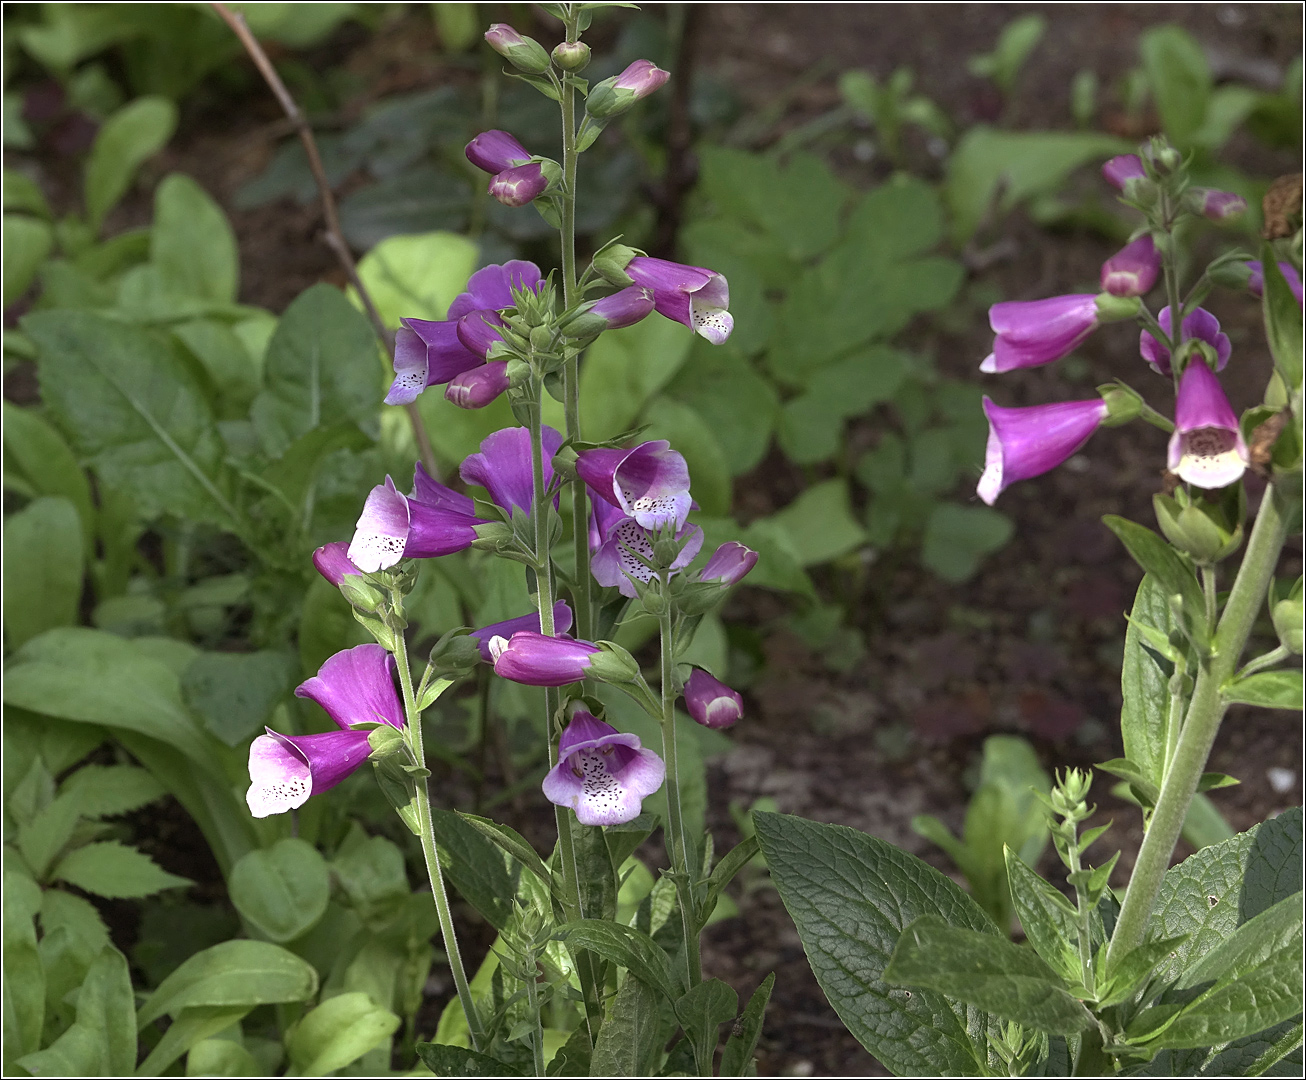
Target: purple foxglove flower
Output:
[(643, 77), (624, 308), (503, 467), (540, 660), (710, 702), (518, 186), (1119, 170), (490, 288), (495, 151), (1201, 324), (1034, 332), (729, 564), (1218, 205), (1031, 441), (691, 295), (506, 629), (356, 686), (617, 562), (392, 527), (1207, 447), (475, 389), (1256, 283), (649, 483), (602, 774), (333, 563), (1132, 270), (436, 495), (479, 332)]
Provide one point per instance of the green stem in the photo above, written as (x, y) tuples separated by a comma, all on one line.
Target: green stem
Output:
[(1085, 916), (1173, 719), (1205, 711), (431, 850), (1209, 592), (1270, 659), (533, 1002)]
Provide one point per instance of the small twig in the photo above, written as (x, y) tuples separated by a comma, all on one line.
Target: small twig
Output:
[(335, 237)]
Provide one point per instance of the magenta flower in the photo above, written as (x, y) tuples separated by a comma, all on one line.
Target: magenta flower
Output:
[(1256, 283), (495, 151), (691, 295), (354, 687), (431, 353), (479, 332), (649, 483), (624, 308), (503, 467), (1218, 205), (1201, 324), (520, 185), (711, 702), (475, 389), (506, 629), (614, 96), (525, 54), (643, 78), (433, 521), (332, 562), (602, 774), (539, 660), (1207, 447), (1028, 442), (1132, 270), (1034, 332), (622, 545), (1120, 170), (729, 564)]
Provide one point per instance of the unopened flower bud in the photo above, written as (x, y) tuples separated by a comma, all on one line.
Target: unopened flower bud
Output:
[(1193, 529), (1123, 168), (1132, 271), (478, 387), (665, 551), (519, 185), (1116, 308), (523, 53), (1122, 404), (1216, 205), (614, 96), (711, 702), (610, 264), (541, 338), (613, 664), (571, 55), (624, 308), (1163, 157), (385, 742), (1287, 616), (1232, 275)]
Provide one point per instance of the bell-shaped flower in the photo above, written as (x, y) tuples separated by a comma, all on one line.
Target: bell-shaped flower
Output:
[(1256, 283), (332, 562), (1123, 168), (506, 629), (355, 686), (519, 185), (625, 553), (691, 295), (1028, 442), (539, 660), (711, 702), (503, 466), (475, 389), (602, 774), (433, 521), (1207, 447), (729, 564), (1132, 270), (494, 151), (649, 483), (1201, 324), (1034, 332)]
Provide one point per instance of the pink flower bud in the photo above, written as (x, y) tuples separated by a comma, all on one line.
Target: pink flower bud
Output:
[(1132, 271), (1218, 205), (711, 702), (520, 185), (1119, 170), (475, 389)]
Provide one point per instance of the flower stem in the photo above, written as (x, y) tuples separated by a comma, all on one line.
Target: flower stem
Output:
[(431, 850), (533, 1002), (1260, 663), (1205, 710), (1209, 592), (1085, 915)]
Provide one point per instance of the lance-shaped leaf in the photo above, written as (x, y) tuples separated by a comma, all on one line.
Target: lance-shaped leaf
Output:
[(737, 1058), (1283, 320), (1268, 689), (1049, 920), (632, 1036), (1174, 575), (628, 948)]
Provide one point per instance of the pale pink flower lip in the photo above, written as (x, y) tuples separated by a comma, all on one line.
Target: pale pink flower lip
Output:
[(602, 774), (1207, 448)]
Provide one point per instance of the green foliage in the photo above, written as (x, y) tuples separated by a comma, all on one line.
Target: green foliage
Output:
[(1018, 39), (43, 567), (283, 890), (338, 1032), (129, 138)]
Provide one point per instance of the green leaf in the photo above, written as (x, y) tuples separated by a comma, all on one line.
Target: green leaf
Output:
[(23, 193), (957, 538), (108, 790), (631, 1038), (691, 435), (192, 243), (1050, 922), (623, 369), (811, 424), (1145, 684), (41, 839), (596, 872), (43, 568), (703, 1009), (1172, 573), (1268, 689), (338, 1032), (232, 973), (445, 1060), (778, 560), (282, 890), (115, 871), (1179, 78), (237, 376), (1275, 931), (134, 410), (236, 693), (1254, 1055), (1268, 994), (724, 872), (1015, 43), (819, 524), (36, 454), (416, 276), (1283, 321), (321, 368), (192, 1026), (370, 870), (221, 1057), (851, 895), (987, 972), (1124, 978), (625, 947), (737, 1058), (27, 243), (133, 134), (478, 863), (102, 1040)]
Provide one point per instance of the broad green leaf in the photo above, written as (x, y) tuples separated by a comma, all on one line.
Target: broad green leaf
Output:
[(626, 947), (23, 193), (192, 243), (1145, 683), (690, 434), (236, 693), (1267, 994), (778, 565), (631, 1038), (416, 277), (230, 974), (596, 872), (482, 873), (37, 455), (702, 1011), (1253, 1055), (27, 243), (851, 896), (41, 839), (115, 871), (1268, 689), (445, 1060), (1015, 43), (192, 1026), (136, 132), (43, 568), (1172, 573), (819, 523), (24, 975), (221, 1057), (339, 1031), (370, 870), (1048, 918), (1275, 931), (134, 410), (282, 890), (737, 1058), (237, 375), (1125, 978), (957, 538), (320, 369), (107, 790), (987, 972), (810, 424), (740, 407), (102, 1040), (1283, 320), (623, 369), (1179, 78)]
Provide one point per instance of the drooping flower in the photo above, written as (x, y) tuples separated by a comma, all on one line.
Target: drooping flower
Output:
[(519, 185), (539, 660), (623, 308), (1027, 442), (1132, 270), (1256, 283), (475, 389), (621, 545), (433, 521), (711, 702), (503, 466), (729, 564), (355, 686), (691, 295), (1207, 447), (1217, 205), (1034, 332), (506, 629), (332, 562), (1123, 168), (493, 151), (1201, 324), (649, 483), (602, 774)]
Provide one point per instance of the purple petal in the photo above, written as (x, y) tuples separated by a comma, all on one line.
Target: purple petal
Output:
[(284, 770), (1122, 168), (479, 332), (643, 77), (1207, 447), (332, 562), (494, 151), (538, 660), (624, 308), (1028, 442), (356, 686), (1030, 333), (518, 186), (506, 629), (434, 494), (381, 531), (1256, 283), (435, 531), (711, 702), (729, 564), (491, 287), (503, 467), (1132, 271), (603, 774), (476, 388), (604, 517), (410, 366)]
